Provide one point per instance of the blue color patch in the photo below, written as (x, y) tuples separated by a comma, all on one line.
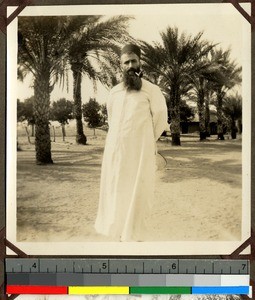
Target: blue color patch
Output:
[(229, 290)]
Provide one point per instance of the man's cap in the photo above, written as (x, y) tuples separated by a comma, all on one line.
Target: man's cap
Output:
[(131, 48)]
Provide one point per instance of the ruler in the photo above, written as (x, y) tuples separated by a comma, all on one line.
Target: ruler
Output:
[(126, 276)]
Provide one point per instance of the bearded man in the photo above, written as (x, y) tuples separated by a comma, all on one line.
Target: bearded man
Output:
[(137, 116)]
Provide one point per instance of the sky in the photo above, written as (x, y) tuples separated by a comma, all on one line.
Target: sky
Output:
[(221, 23)]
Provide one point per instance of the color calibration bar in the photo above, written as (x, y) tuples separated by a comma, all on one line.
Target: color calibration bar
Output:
[(123, 290), (126, 276), (123, 284)]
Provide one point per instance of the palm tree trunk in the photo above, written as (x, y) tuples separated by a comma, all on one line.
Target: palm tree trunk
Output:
[(80, 136), (41, 111), (28, 136), (220, 131), (175, 116), (33, 129), (233, 129), (63, 131), (207, 116), (201, 114)]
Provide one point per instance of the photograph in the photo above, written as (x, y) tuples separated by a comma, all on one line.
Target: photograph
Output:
[(129, 129)]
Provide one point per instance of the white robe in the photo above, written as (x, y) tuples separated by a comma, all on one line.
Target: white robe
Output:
[(136, 120)]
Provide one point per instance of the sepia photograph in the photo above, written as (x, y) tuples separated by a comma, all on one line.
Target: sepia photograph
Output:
[(129, 129)]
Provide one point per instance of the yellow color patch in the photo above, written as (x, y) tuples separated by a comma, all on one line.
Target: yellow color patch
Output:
[(98, 290)]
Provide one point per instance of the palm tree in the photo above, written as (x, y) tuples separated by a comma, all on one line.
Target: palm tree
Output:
[(175, 62), (226, 76), (94, 52), (42, 51), (200, 91), (232, 109), (203, 90)]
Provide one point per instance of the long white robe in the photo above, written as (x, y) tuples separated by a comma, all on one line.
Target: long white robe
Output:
[(136, 120)]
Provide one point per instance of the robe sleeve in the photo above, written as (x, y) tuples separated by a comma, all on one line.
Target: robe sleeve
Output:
[(158, 111)]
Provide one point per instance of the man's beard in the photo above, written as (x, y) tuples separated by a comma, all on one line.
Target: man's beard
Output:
[(131, 80)]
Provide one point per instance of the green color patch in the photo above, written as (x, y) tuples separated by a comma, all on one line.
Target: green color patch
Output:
[(160, 290)]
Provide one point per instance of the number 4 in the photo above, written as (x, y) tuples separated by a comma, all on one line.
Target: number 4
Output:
[(34, 265)]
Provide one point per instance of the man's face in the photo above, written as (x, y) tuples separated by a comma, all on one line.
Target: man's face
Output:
[(130, 64)]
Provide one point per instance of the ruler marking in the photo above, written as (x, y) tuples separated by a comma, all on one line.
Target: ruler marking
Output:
[(216, 268)]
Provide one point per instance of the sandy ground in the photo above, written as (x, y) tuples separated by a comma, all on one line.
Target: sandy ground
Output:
[(197, 197)]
